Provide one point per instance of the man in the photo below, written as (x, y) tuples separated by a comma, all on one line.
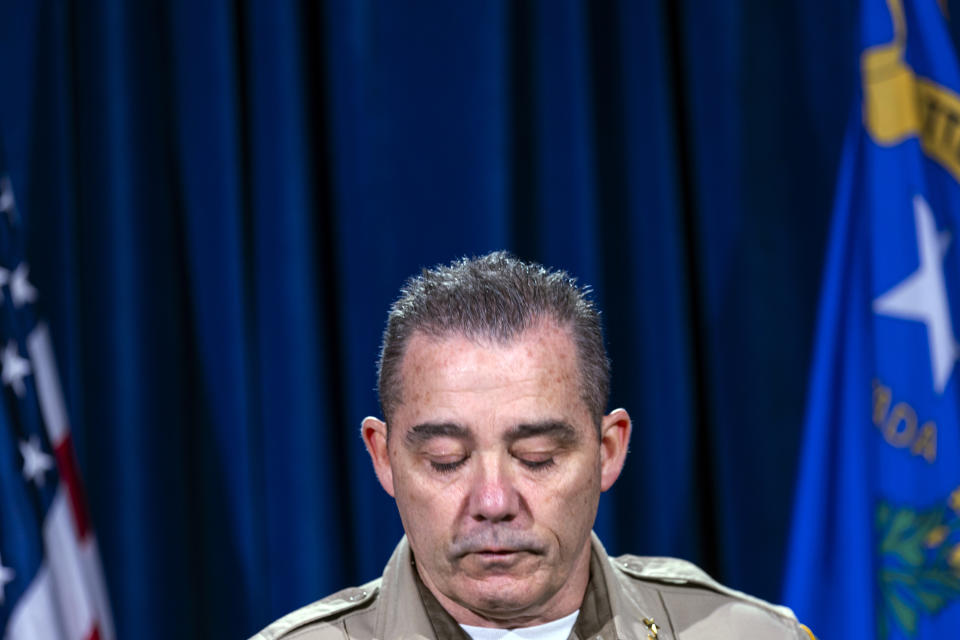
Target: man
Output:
[(493, 381)]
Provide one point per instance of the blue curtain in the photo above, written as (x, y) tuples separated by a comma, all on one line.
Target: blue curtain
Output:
[(221, 200)]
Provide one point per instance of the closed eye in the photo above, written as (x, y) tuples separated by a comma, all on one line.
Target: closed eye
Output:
[(448, 467), (537, 465)]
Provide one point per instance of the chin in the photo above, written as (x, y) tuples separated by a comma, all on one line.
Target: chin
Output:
[(503, 595)]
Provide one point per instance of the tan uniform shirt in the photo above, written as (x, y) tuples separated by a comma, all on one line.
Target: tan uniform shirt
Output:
[(649, 598)]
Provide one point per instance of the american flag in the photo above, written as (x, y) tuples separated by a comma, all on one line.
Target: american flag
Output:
[(51, 582)]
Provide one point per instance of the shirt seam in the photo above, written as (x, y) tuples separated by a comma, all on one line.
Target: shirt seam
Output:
[(666, 612)]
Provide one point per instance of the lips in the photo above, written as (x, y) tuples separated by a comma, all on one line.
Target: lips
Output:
[(497, 560), (498, 553)]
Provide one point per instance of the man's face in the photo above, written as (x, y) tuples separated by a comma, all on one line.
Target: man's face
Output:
[(497, 469)]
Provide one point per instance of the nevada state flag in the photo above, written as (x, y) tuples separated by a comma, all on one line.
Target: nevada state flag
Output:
[(875, 546), (51, 584)]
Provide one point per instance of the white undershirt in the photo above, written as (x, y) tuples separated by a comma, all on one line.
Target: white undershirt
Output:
[(555, 630)]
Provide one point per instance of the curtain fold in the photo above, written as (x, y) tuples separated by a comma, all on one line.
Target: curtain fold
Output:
[(222, 200)]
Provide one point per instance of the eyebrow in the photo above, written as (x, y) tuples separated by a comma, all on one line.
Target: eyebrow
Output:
[(562, 432), (426, 431)]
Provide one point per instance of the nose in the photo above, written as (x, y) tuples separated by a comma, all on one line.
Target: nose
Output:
[(493, 496)]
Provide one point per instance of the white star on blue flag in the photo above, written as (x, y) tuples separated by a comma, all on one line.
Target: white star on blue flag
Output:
[(922, 296)]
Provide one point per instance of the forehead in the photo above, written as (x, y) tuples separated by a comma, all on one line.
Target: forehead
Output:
[(536, 373)]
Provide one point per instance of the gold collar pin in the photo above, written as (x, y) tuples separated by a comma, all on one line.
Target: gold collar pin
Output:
[(653, 628)]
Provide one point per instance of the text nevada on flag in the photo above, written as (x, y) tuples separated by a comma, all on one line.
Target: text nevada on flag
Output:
[(875, 545), (51, 583)]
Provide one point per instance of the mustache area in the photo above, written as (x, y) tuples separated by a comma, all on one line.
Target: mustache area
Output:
[(496, 541)]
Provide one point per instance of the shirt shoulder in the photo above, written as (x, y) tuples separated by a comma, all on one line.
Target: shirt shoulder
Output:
[(325, 618), (701, 607)]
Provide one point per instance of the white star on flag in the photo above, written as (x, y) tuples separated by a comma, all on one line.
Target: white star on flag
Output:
[(6, 576), (14, 368), (21, 291), (36, 462), (922, 296)]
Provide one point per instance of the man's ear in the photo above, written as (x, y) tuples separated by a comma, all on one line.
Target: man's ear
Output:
[(614, 439), (374, 433)]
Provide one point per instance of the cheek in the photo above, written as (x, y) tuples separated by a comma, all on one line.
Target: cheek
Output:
[(567, 505), (425, 505)]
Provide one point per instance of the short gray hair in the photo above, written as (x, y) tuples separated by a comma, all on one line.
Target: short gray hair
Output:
[(494, 297)]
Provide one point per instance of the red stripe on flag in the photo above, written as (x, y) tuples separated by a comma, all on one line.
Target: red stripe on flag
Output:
[(94, 635), (70, 475)]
